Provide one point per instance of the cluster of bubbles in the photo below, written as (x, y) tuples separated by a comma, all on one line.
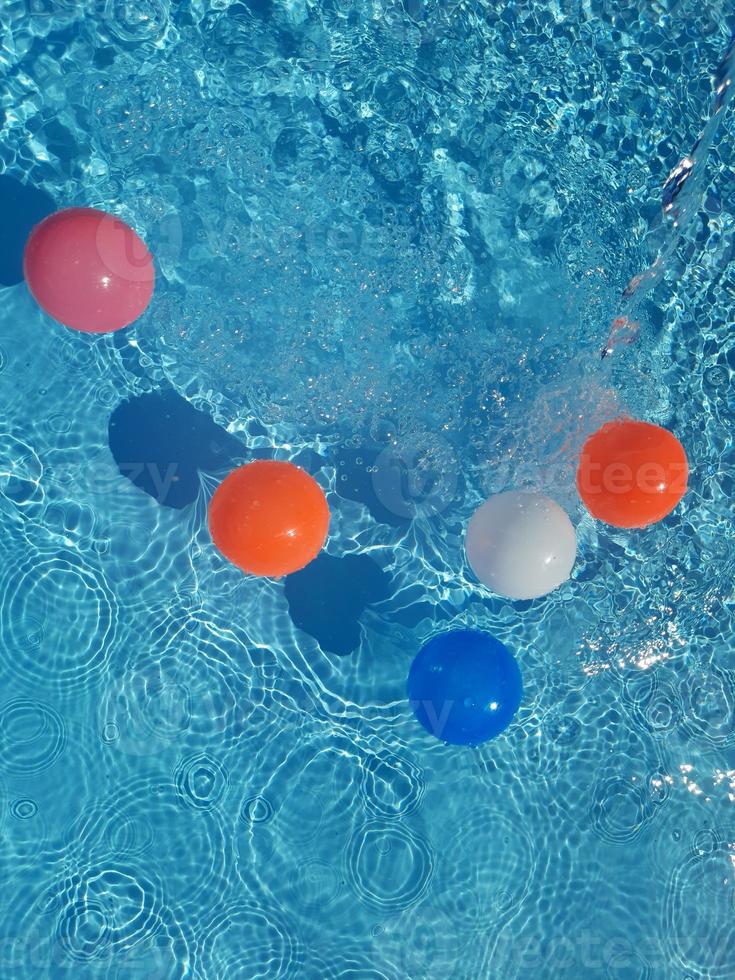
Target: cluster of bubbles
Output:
[(383, 194)]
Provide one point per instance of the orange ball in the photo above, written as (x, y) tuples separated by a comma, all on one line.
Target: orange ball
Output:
[(632, 474), (269, 518)]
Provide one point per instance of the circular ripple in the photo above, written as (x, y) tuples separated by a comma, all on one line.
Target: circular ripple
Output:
[(59, 423), (247, 942), (32, 737), (699, 923), (137, 820), (625, 963), (564, 730), (709, 697), (486, 868), (315, 790), (110, 733), (137, 20), (105, 920), (130, 834), (23, 809), (620, 809), (201, 782), (422, 942), (105, 911), (256, 810), (390, 786), (653, 701), (74, 648), (705, 842), (29, 843), (313, 886), (389, 867), (303, 809), (199, 685), (349, 964)]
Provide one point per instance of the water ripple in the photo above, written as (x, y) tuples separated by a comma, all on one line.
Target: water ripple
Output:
[(73, 649), (491, 878), (313, 886), (699, 926), (134, 820), (620, 809), (201, 782), (194, 685), (709, 696), (23, 809), (290, 835), (112, 915), (388, 866), (653, 700), (391, 786), (32, 737), (141, 20), (21, 472), (105, 919), (103, 911), (349, 963), (315, 787), (245, 941), (420, 942), (30, 838), (626, 963), (431, 207), (256, 809)]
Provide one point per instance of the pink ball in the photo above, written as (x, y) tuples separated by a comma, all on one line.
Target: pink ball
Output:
[(89, 270)]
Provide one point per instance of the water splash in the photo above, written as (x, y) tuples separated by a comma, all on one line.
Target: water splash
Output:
[(680, 198)]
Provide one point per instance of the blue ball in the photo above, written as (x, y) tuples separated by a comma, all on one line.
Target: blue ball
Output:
[(465, 687)]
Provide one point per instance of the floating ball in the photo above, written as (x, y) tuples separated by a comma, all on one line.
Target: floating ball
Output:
[(88, 270), (521, 545), (632, 474), (465, 687), (269, 518)]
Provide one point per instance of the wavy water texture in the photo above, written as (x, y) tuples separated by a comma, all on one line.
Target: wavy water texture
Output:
[(390, 239), (680, 202)]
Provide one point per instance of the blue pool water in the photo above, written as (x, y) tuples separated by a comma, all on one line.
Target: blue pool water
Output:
[(390, 239)]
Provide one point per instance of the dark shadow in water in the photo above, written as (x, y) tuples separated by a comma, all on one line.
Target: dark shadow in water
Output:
[(161, 443), (327, 598), (22, 206)]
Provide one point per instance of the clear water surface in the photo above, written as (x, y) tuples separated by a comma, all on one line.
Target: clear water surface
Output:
[(391, 237)]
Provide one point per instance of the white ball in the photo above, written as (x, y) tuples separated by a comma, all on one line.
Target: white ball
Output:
[(521, 545)]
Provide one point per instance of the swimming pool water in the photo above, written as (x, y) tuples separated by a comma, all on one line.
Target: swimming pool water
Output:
[(390, 237)]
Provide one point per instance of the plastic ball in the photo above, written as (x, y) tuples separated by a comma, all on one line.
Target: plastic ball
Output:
[(269, 518), (89, 270), (632, 474), (465, 687), (521, 545)]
